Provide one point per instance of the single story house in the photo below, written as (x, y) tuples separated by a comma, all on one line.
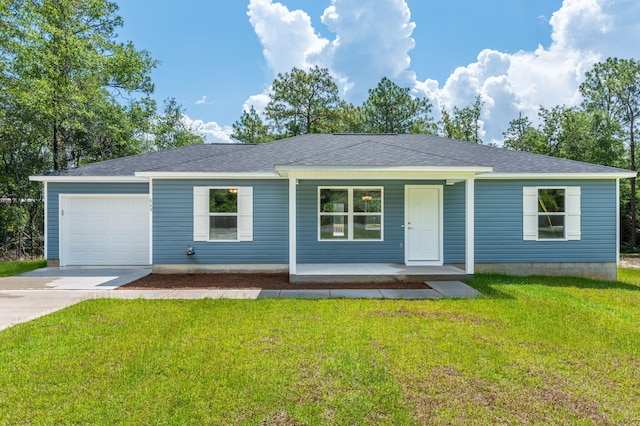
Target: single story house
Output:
[(404, 201)]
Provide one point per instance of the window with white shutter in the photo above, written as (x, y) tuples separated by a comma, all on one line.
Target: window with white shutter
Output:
[(222, 213), (551, 213)]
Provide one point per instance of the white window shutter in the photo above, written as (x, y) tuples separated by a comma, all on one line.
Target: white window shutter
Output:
[(200, 213), (245, 213), (573, 213), (529, 213)]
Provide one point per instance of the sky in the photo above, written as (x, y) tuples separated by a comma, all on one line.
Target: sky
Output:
[(218, 58)]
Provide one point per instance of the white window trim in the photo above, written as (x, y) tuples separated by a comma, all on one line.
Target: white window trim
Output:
[(201, 213), (351, 214), (571, 214)]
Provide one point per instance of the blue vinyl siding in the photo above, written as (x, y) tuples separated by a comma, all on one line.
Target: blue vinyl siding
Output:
[(454, 223), (173, 225), (54, 189), (391, 250), (498, 225)]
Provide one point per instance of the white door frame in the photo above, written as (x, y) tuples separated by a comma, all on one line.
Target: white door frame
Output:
[(440, 259), (62, 205)]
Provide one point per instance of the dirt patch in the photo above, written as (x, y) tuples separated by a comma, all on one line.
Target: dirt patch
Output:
[(263, 281), (629, 262)]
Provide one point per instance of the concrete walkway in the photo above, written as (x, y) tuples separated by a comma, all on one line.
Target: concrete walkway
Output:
[(37, 293)]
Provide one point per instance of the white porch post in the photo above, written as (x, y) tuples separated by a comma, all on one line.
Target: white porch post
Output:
[(617, 221), (470, 225), (46, 222), (293, 207), (150, 221)]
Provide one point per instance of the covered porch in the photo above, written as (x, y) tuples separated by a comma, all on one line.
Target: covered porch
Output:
[(425, 222), (374, 272)]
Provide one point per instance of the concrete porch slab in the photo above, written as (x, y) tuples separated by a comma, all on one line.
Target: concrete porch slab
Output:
[(372, 272)]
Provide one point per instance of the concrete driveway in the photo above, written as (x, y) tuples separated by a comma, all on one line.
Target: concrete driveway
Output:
[(40, 292)]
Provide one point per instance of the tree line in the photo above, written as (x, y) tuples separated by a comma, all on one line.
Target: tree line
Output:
[(309, 102), (70, 94)]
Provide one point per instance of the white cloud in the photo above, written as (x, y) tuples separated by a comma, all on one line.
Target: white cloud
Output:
[(212, 131), (373, 38), (583, 32), (202, 101), (287, 37), (258, 102)]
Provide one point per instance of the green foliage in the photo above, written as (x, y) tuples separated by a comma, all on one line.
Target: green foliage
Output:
[(571, 133), (535, 350), (303, 102), (612, 88), (170, 130), (349, 119), (392, 109), (250, 128), (523, 136), (70, 93), (463, 123), (8, 269), (64, 68)]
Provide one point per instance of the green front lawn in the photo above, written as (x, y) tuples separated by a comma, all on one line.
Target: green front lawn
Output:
[(535, 350), (13, 268)]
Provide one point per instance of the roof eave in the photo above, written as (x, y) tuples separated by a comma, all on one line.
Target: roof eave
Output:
[(208, 175), (298, 170), (91, 179), (560, 175)]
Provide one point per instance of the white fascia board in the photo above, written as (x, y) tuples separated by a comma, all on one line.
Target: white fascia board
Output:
[(90, 179), (381, 172), (582, 175), (207, 175), (464, 169)]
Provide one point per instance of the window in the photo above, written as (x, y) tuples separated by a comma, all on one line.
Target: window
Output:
[(348, 213), (222, 213), (551, 213)]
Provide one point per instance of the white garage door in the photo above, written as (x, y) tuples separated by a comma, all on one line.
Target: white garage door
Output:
[(104, 230)]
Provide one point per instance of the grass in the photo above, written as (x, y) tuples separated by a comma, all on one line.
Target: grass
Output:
[(13, 268), (534, 350)]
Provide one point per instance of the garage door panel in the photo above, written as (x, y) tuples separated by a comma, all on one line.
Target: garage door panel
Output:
[(105, 230)]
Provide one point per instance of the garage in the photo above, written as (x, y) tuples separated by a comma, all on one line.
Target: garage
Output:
[(104, 230)]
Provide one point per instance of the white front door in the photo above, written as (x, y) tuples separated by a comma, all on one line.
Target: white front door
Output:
[(423, 225)]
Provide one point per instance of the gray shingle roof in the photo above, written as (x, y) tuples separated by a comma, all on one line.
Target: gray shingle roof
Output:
[(335, 150)]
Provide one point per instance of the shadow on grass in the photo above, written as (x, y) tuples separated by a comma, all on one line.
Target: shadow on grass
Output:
[(487, 283)]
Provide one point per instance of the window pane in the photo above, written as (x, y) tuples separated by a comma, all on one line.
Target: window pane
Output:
[(550, 226), (223, 200), (223, 227), (551, 200), (334, 200), (367, 200), (367, 227), (334, 227)]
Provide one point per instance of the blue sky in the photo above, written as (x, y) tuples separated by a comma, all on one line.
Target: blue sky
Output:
[(220, 57)]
